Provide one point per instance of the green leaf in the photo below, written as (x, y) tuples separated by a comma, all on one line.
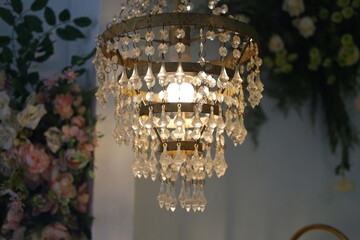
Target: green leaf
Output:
[(75, 60), (50, 17), (91, 173), (7, 55), (6, 15), (79, 60), (24, 34), (17, 5), (4, 41), (34, 23), (39, 4), (33, 77), (69, 33), (64, 15), (47, 48), (82, 21)]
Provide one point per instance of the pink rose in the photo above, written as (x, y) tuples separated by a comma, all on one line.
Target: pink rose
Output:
[(51, 82), (69, 158), (81, 110), (69, 132), (47, 205), (72, 132), (69, 75), (63, 107), (23, 150), (37, 160), (88, 148), (62, 185), (75, 158), (56, 231), (42, 97), (82, 199), (78, 121), (14, 215)]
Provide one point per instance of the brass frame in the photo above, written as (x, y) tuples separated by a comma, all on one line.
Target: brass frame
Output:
[(193, 67), (187, 147), (173, 107), (322, 227), (179, 19)]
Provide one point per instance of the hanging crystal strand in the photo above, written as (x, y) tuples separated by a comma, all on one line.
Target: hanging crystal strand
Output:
[(219, 163), (229, 125), (208, 162), (163, 123), (223, 77), (136, 166), (201, 196), (183, 196), (165, 161), (149, 124), (179, 158), (152, 160), (180, 49), (149, 77), (135, 79), (162, 194), (172, 197), (124, 50), (179, 122), (197, 124), (195, 197)]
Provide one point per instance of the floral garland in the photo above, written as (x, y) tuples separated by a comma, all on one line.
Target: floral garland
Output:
[(46, 159), (47, 128), (311, 49)]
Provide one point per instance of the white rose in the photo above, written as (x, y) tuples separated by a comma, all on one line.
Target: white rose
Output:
[(305, 26), (7, 136), (53, 139), (275, 43), (4, 105), (293, 7), (31, 115)]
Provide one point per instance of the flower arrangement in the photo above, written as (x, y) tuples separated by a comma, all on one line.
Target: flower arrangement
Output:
[(46, 160), (312, 57), (47, 129)]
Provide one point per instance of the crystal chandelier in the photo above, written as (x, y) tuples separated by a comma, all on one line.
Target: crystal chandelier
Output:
[(177, 79)]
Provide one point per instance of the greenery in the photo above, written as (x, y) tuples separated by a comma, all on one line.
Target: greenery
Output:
[(311, 57), (47, 133)]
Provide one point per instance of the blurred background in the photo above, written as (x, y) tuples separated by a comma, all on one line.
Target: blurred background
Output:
[(269, 191)]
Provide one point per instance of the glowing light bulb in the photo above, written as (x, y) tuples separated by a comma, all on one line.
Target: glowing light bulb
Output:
[(180, 92)]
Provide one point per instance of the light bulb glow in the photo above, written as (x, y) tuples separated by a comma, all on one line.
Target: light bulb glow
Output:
[(180, 93)]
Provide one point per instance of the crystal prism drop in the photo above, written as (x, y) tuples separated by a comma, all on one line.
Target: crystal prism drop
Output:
[(149, 77), (223, 77), (162, 75), (123, 81), (237, 80), (179, 75)]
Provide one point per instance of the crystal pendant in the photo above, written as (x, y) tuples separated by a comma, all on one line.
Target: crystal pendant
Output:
[(152, 164), (162, 195), (135, 78), (149, 77), (208, 163), (123, 81), (220, 165), (223, 77), (179, 75), (162, 75), (237, 80), (179, 121), (113, 85)]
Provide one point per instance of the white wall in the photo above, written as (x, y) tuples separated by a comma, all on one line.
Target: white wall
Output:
[(114, 184), (268, 193)]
